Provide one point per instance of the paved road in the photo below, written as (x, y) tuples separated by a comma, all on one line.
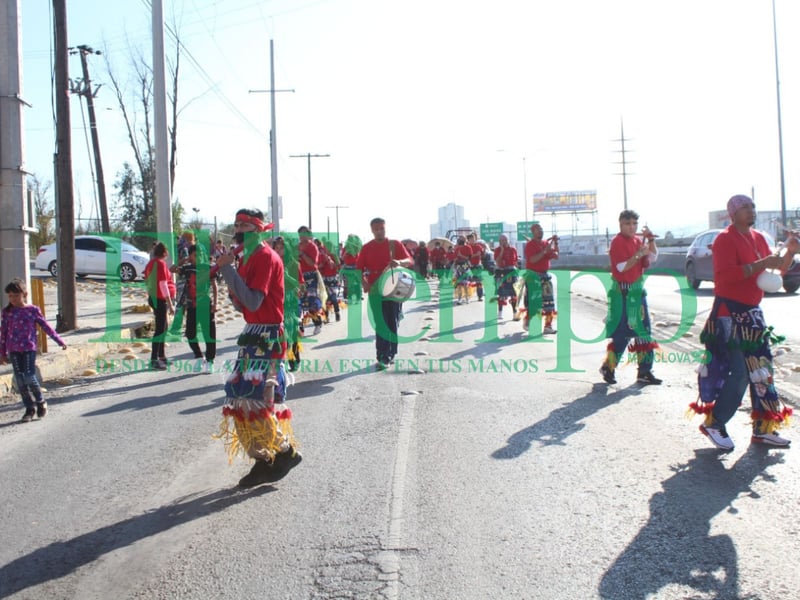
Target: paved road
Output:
[(487, 476)]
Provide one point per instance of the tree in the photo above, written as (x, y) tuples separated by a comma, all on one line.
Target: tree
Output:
[(44, 212), (135, 183)]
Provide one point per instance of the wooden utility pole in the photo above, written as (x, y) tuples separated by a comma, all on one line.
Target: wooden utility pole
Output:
[(85, 90), (67, 316), (308, 156)]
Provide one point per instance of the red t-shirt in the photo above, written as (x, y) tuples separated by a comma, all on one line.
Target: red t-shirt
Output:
[(505, 257), (374, 258), (732, 250), (534, 247), (308, 249), (462, 252), (477, 253), (327, 266), (622, 248), (162, 284), (349, 260), (438, 256), (263, 271)]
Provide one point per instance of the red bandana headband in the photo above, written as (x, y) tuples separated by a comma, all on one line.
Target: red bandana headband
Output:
[(260, 225)]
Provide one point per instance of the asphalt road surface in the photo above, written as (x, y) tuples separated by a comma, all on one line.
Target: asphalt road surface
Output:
[(506, 469)]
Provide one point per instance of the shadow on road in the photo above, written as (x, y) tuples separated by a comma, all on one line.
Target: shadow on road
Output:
[(675, 546), (59, 559), (563, 422)]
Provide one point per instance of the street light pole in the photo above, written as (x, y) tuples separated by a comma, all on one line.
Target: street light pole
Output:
[(780, 129), (308, 156), (337, 207)]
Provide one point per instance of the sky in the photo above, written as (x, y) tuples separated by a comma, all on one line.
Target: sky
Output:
[(424, 102)]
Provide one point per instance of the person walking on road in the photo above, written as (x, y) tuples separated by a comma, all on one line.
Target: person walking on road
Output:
[(736, 336), (538, 282), (18, 346), (199, 281), (256, 421), (375, 257), (505, 275), (627, 300), (161, 297)]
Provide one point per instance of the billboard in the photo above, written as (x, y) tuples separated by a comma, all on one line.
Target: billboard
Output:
[(585, 200)]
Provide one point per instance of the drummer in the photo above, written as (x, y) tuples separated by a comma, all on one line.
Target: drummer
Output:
[(375, 257)]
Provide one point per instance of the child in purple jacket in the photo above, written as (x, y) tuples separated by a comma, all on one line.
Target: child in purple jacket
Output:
[(18, 346)]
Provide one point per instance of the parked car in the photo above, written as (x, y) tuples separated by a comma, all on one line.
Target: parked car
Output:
[(700, 265), (93, 256)]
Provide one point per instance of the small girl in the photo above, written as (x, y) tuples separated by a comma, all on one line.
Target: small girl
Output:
[(18, 345)]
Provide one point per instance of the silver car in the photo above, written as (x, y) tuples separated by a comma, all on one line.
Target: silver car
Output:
[(96, 255), (699, 262)]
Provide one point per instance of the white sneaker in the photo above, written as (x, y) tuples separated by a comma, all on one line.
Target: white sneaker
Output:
[(317, 329), (548, 331), (525, 324), (719, 437), (208, 368), (769, 439), (499, 316)]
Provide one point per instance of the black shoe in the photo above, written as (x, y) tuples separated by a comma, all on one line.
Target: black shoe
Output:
[(41, 409), (608, 374), (648, 379), (28, 416), (283, 463), (381, 365), (260, 473), (158, 365), (338, 317)]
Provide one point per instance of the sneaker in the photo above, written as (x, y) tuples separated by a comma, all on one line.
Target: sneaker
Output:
[(28, 416), (548, 331), (283, 463), (317, 329), (381, 365), (608, 374), (525, 324), (718, 436), (338, 317), (769, 439), (648, 379), (208, 367), (158, 365), (480, 299), (500, 316), (260, 473), (41, 409)]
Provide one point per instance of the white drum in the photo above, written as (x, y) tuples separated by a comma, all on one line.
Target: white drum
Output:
[(398, 284), (770, 281)]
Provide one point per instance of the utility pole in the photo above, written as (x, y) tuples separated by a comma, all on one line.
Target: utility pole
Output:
[(336, 207), (273, 142), (84, 89), (624, 162), (163, 186), (308, 156), (780, 129), (67, 316), (14, 252)]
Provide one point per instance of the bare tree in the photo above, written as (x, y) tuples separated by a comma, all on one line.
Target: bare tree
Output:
[(44, 213)]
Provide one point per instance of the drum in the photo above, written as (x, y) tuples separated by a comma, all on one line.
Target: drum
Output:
[(397, 284)]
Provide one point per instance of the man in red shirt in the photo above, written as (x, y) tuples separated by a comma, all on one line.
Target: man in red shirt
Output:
[(628, 313), (476, 263), (375, 257), (329, 269), (505, 275), (736, 336), (256, 420), (309, 259), (438, 257), (538, 282)]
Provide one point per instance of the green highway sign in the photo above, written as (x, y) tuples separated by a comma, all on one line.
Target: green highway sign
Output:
[(524, 230), (490, 232)]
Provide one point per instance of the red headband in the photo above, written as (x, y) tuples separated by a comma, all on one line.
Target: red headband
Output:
[(260, 225)]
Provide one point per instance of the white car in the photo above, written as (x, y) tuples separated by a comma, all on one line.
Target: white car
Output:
[(96, 255)]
